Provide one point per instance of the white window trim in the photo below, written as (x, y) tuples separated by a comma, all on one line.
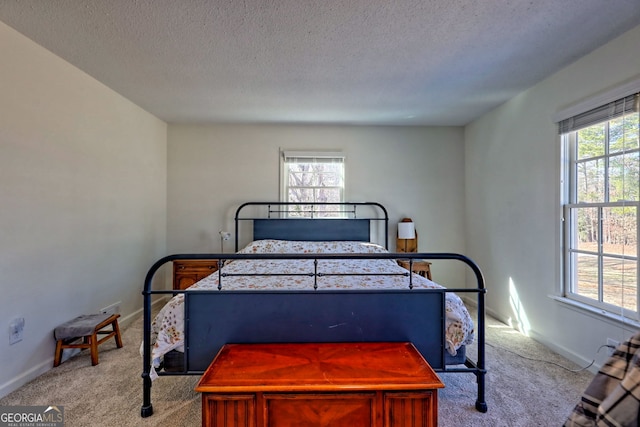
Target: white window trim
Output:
[(613, 318), (310, 154), (621, 91)]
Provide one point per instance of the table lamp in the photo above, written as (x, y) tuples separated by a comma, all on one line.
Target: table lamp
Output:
[(407, 236)]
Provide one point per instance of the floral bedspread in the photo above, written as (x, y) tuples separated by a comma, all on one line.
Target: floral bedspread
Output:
[(167, 329)]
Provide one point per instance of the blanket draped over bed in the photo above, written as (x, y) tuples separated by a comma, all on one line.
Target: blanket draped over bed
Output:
[(613, 396), (167, 329)]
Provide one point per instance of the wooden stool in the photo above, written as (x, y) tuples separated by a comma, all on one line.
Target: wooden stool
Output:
[(87, 327)]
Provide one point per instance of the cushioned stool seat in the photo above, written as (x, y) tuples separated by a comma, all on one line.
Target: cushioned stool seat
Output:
[(87, 327)]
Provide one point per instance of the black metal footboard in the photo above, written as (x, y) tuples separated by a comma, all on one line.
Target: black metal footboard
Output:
[(216, 317)]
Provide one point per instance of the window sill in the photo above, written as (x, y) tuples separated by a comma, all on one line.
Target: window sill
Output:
[(615, 319)]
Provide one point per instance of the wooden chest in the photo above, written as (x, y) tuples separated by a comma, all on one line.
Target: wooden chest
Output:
[(313, 384)]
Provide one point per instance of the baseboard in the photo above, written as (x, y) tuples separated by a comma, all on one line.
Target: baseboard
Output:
[(18, 381), (593, 366), (125, 321), (23, 378), (473, 302), (562, 351)]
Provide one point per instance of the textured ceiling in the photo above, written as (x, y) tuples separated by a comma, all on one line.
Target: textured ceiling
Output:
[(406, 62)]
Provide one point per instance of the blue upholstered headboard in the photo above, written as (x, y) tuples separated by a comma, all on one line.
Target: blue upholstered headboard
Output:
[(312, 229)]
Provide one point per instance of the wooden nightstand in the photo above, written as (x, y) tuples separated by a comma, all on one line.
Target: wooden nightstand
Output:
[(418, 266), (186, 272)]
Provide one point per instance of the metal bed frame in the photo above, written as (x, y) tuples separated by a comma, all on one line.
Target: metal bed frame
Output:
[(416, 315)]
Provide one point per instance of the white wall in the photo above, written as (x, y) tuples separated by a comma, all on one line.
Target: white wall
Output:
[(87, 178), (512, 200), (414, 172), (83, 190)]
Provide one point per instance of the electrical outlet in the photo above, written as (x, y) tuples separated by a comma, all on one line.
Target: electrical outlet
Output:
[(112, 309), (612, 345), (16, 329)]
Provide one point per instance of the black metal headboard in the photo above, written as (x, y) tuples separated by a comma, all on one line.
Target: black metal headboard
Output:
[(274, 224)]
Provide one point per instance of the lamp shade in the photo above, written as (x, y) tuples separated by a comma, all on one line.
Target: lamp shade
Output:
[(406, 230)]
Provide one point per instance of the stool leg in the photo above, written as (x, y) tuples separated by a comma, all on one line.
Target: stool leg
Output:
[(116, 329), (58, 355), (93, 341)]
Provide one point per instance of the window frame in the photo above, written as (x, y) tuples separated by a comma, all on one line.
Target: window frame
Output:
[(570, 208), (333, 157)]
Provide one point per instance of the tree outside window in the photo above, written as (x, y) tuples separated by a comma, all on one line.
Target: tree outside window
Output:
[(601, 216), (313, 177)]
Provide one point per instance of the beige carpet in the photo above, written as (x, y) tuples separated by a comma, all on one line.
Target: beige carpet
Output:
[(520, 392)]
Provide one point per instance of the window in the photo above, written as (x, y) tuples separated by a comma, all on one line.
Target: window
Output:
[(601, 181), (312, 177)]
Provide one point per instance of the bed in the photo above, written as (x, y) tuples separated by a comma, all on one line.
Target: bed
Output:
[(311, 280)]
